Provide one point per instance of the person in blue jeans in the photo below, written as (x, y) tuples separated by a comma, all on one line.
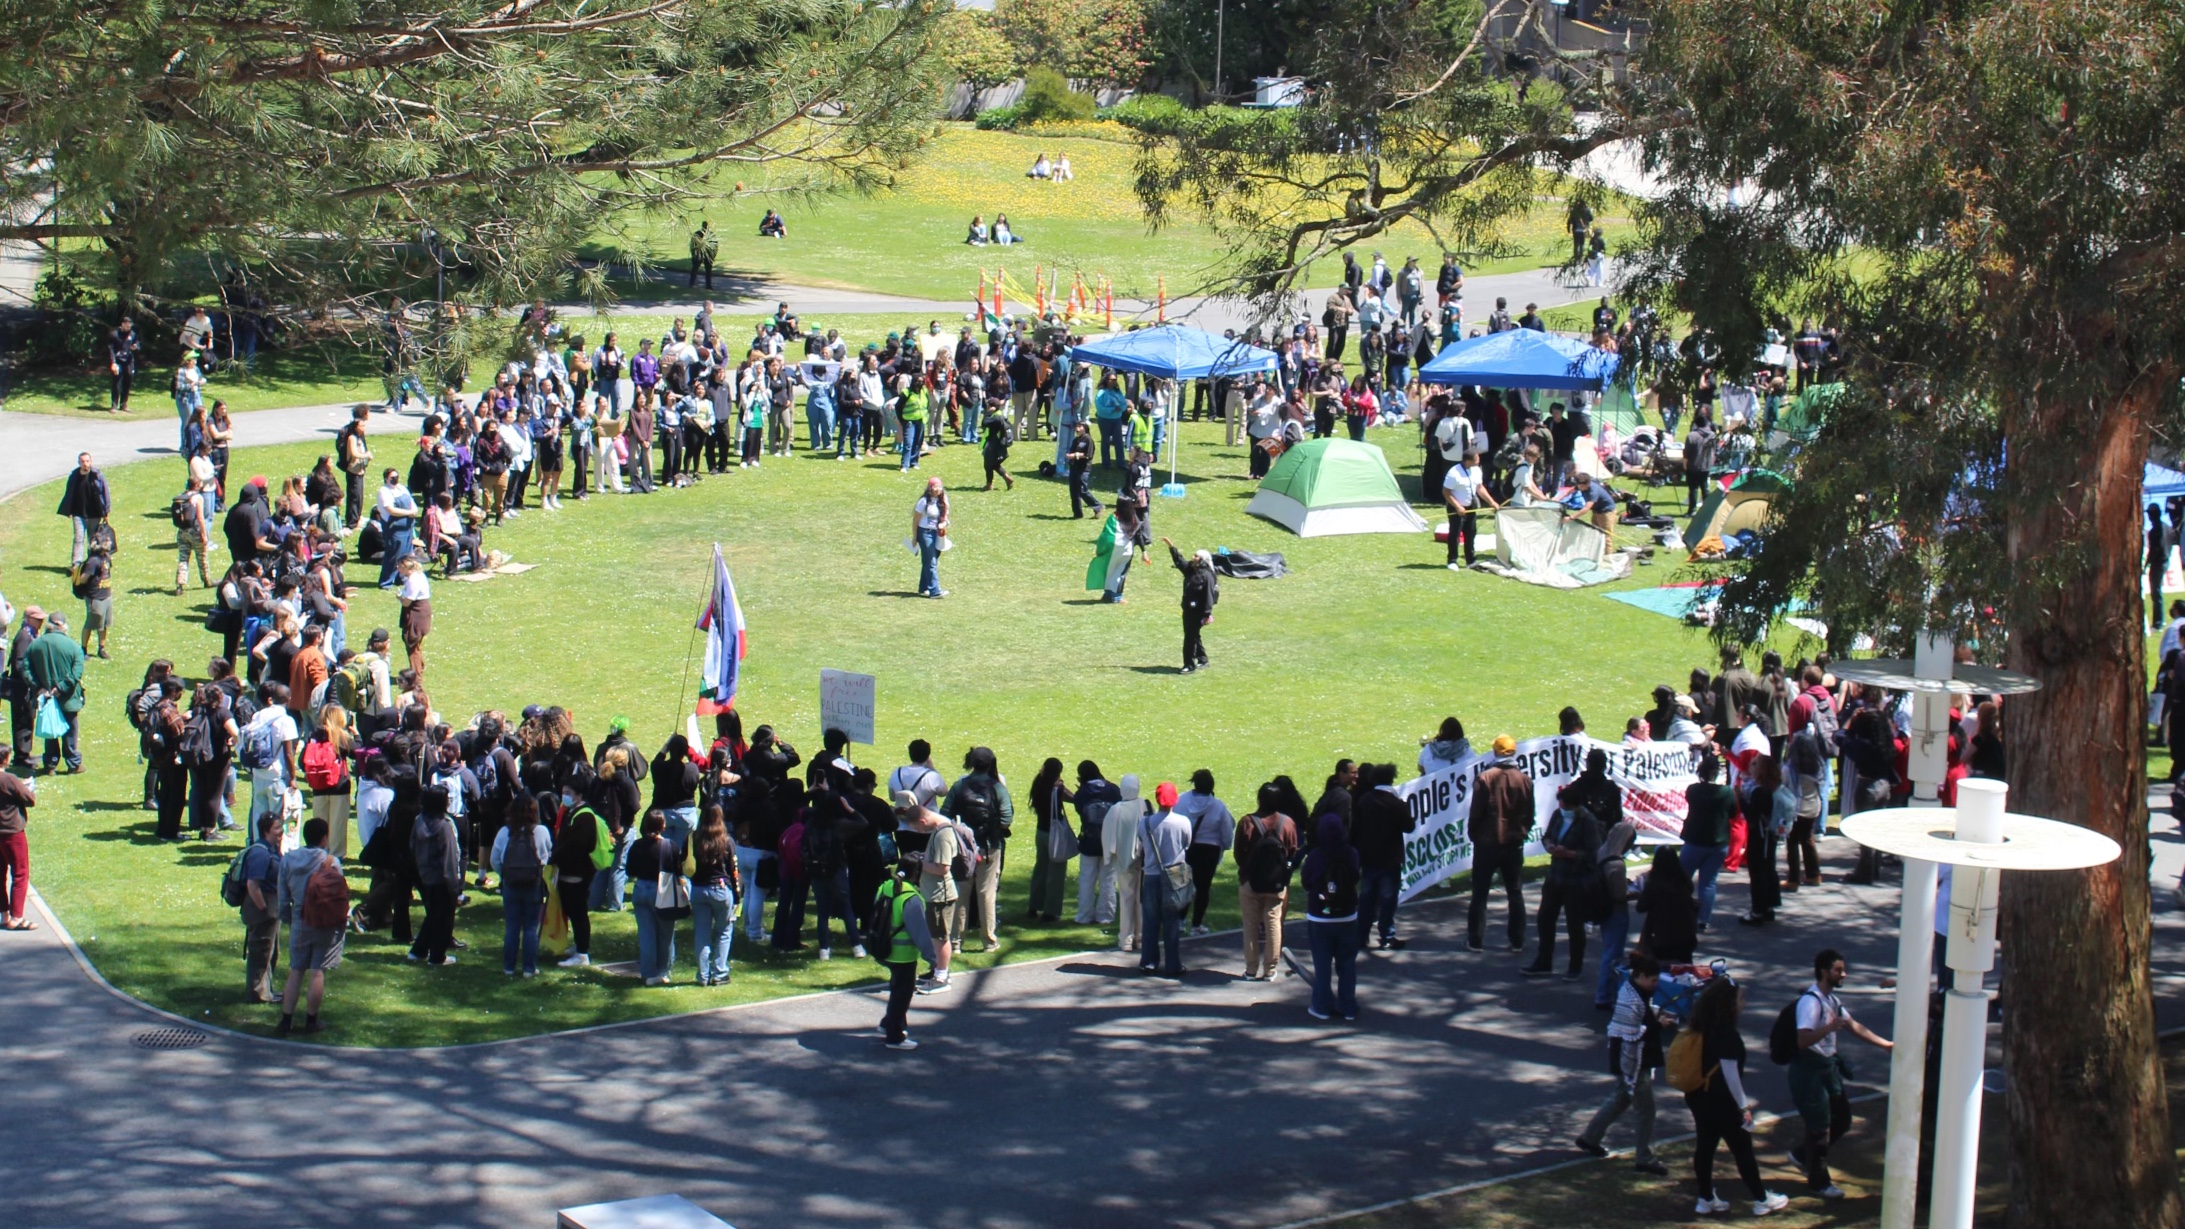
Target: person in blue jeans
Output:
[(928, 525), (650, 854), (1334, 925), (713, 883), (1379, 821), (1109, 406), (400, 508), (523, 853), (1163, 837), (1708, 806)]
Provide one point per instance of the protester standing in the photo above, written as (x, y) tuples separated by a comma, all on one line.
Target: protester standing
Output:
[(903, 937), (1119, 837), (1164, 837), (54, 664), (1380, 820), (1265, 850), (1501, 820), (522, 851), (314, 940), (980, 802), (1094, 798), (1706, 833), (1200, 592), (1333, 921), (1573, 840), (929, 524), (260, 911), (1213, 829)]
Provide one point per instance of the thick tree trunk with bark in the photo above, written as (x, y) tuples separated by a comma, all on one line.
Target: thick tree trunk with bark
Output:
[(2088, 1113)]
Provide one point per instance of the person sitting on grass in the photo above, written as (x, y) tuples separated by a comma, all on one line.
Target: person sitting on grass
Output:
[(772, 227), (1041, 168), (978, 236), (1003, 235)]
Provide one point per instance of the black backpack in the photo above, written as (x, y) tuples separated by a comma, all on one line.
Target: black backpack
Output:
[(822, 849), (1783, 1044), (1266, 868), (195, 749), (520, 860), (978, 807)]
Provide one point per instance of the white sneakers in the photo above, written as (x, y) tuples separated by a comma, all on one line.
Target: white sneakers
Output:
[(575, 960), (858, 950), (1708, 1207), (1761, 1207), (905, 1044), (825, 954), (935, 985)]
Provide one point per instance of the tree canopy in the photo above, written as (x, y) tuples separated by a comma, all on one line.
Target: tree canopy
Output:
[(307, 144)]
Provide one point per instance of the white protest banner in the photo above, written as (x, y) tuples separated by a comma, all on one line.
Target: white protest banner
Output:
[(846, 703), (1652, 777)]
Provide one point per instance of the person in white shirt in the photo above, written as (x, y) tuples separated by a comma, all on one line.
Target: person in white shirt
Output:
[(929, 529), (1119, 847), (1062, 172), (1041, 168), (1817, 1074), (269, 781), (1464, 489), (919, 778)]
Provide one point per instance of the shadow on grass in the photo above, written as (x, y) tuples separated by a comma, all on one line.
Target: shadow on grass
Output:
[(891, 593), (45, 567)]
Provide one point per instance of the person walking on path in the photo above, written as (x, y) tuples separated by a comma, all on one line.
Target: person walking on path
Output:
[(901, 936), (124, 351), (1213, 829), (1164, 836), (260, 912), (17, 796), (1501, 819), (929, 530), (1722, 1112), (1634, 1054), (1265, 851), (1817, 1072), (1201, 591), (86, 502), (55, 666), (1332, 921), (1573, 839), (314, 937)]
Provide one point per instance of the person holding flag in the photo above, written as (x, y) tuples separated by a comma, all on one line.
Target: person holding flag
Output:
[(723, 623), (1111, 554)]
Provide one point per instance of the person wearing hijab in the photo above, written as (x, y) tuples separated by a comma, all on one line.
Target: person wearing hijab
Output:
[(1331, 919), (1119, 839)]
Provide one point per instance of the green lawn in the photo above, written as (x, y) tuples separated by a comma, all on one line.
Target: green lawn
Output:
[(1359, 652)]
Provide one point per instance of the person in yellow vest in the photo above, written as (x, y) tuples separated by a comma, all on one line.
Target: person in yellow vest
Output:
[(901, 937), (1138, 429)]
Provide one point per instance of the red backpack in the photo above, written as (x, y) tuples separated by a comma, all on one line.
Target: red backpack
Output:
[(326, 897), (324, 767)]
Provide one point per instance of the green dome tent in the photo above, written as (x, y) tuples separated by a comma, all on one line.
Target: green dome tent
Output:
[(1333, 486)]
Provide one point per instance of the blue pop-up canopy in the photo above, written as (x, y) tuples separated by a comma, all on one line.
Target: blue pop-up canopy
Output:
[(1520, 358), (2161, 482), (1174, 351)]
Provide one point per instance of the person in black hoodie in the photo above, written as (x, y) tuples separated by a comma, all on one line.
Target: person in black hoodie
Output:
[(439, 855), (831, 825), (574, 845), (1572, 836), (675, 782), (1201, 591), (1379, 821)]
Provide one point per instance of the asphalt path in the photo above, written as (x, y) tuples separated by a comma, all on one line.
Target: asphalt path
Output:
[(1064, 1093)]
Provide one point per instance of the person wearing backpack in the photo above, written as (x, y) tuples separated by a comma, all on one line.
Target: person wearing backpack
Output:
[(901, 933), (253, 886), (438, 851), (1817, 1072), (1265, 851), (1094, 798), (208, 743), (1634, 1052), (979, 800), (1706, 1063), (267, 747), (830, 824), (324, 764), (1814, 707), (936, 884), (161, 741), (314, 904), (193, 536), (522, 850), (1331, 875)]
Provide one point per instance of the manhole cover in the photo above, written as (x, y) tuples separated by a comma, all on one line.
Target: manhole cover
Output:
[(170, 1039)]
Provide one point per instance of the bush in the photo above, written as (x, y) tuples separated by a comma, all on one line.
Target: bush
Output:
[(1001, 118), (67, 333), (1048, 97), (1157, 113)]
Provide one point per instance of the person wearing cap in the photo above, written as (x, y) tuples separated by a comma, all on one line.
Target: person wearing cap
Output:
[(1684, 726), (1464, 488), (1501, 820), (1200, 592), (935, 884), (902, 935), (22, 698), (1164, 837)]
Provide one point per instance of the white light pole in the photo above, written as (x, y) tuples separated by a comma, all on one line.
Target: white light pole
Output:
[(1981, 840), (1931, 676)]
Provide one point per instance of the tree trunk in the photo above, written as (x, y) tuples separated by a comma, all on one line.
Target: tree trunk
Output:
[(2088, 1113)]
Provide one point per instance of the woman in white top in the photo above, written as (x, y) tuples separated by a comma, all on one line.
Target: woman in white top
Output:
[(1062, 171), (1041, 168), (929, 528), (416, 621), (1002, 234)]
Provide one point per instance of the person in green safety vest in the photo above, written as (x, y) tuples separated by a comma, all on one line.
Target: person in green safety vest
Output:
[(899, 935)]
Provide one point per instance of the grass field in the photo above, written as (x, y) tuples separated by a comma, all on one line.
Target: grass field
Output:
[(1359, 652)]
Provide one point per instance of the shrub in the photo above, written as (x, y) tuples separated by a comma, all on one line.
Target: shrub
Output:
[(1001, 118), (66, 333), (1048, 97), (1157, 113)]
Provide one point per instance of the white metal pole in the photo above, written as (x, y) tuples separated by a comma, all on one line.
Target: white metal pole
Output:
[(1928, 764), (1973, 895)]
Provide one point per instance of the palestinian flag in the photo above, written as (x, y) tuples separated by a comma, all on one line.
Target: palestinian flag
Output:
[(1111, 555)]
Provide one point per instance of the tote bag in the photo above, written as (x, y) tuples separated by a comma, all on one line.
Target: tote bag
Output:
[(51, 722)]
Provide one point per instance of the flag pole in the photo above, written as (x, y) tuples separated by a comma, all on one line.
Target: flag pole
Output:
[(690, 647)]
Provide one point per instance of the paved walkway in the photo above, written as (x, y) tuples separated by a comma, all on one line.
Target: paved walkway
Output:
[(1067, 1093)]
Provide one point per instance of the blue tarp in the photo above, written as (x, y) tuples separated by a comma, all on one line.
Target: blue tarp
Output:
[(2161, 482), (1520, 358), (1176, 351)]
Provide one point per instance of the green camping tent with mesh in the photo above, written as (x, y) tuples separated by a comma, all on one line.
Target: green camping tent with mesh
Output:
[(1333, 486)]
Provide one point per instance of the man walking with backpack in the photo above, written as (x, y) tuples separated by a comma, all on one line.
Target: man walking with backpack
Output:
[(1804, 1039), (314, 902), (1266, 850), (900, 936)]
